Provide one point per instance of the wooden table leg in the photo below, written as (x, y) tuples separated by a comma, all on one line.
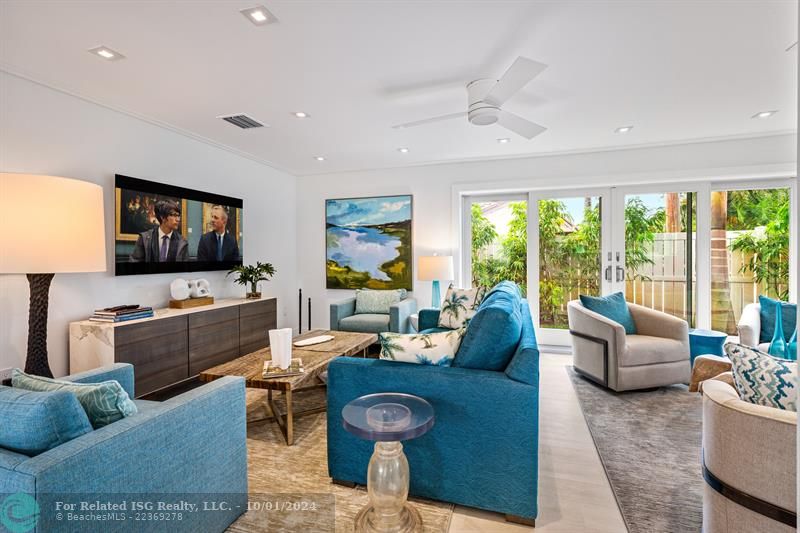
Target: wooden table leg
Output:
[(289, 422), (285, 422)]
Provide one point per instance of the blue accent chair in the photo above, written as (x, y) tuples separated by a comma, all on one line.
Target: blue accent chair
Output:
[(483, 448), (191, 447), (344, 317)]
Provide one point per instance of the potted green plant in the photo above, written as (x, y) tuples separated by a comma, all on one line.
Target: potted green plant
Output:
[(251, 275)]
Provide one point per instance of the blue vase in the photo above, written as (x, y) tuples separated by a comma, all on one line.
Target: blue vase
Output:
[(778, 347), (791, 350)]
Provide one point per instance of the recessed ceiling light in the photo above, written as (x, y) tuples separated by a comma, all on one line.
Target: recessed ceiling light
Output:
[(259, 15), (106, 53), (300, 114), (764, 114), (504, 140), (320, 158), (623, 129), (403, 150)]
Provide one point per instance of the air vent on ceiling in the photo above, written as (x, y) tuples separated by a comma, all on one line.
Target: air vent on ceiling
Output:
[(243, 121)]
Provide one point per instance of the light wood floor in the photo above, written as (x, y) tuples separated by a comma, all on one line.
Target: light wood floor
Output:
[(574, 494)]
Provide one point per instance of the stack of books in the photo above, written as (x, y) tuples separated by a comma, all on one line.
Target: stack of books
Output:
[(121, 313)]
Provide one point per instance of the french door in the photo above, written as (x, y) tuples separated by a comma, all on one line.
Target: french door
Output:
[(570, 243), (654, 241), (700, 251)]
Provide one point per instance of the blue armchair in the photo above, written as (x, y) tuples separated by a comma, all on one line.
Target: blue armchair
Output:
[(344, 317), (483, 448), (191, 448)]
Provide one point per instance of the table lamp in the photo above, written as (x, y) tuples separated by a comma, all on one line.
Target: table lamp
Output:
[(434, 268), (55, 225)]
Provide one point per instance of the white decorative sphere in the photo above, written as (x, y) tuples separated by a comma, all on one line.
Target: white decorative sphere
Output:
[(179, 289)]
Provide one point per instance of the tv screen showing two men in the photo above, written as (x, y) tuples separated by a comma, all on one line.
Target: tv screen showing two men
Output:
[(162, 228)]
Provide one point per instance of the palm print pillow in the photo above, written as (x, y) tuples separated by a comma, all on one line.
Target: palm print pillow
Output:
[(459, 306), (436, 349)]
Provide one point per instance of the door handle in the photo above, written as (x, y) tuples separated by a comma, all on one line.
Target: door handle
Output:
[(620, 274), (607, 274)]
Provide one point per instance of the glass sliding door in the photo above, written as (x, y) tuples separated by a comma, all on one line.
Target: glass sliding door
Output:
[(700, 251), (657, 238), (498, 240), (569, 255), (569, 230), (750, 235)]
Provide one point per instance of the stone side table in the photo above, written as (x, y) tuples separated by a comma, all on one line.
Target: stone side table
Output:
[(387, 419)]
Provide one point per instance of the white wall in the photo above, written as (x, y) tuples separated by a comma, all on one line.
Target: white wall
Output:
[(434, 188), (43, 131)]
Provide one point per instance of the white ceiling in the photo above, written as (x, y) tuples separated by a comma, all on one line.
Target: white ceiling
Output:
[(673, 69)]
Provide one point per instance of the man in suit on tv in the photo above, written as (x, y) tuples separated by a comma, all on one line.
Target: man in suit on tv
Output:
[(164, 243), (218, 244)]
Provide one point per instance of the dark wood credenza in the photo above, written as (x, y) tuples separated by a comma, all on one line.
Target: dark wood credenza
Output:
[(176, 344)]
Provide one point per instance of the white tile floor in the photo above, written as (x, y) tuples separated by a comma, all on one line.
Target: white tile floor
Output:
[(574, 494)]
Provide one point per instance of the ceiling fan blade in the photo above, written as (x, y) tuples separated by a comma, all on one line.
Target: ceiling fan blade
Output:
[(427, 120), (519, 125), (522, 71)]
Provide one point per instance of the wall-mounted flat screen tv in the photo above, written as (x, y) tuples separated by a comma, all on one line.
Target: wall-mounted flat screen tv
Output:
[(163, 228)]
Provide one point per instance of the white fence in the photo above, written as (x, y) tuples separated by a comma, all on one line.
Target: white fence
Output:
[(662, 284)]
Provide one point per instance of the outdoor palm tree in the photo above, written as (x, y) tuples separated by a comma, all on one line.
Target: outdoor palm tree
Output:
[(721, 310)]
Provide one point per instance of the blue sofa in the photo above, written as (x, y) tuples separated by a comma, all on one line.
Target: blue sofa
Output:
[(191, 448), (344, 317), (483, 448)]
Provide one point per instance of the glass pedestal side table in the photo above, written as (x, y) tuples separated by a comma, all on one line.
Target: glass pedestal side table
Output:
[(387, 419)]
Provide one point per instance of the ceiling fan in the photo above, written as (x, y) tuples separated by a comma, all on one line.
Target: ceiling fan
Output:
[(486, 96)]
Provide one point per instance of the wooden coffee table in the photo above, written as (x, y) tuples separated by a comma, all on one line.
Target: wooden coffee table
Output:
[(315, 361)]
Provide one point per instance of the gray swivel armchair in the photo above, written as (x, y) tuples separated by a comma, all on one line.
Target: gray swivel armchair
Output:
[(344, 317), (656, 356)]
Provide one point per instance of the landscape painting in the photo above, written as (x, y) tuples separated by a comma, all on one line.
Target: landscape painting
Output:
[(368, 243)]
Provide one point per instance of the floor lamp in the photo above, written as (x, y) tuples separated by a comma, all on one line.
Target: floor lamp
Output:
[(56, 226), (434, 268)]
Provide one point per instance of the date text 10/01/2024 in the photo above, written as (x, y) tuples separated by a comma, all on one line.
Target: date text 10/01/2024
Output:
[(184, 506)]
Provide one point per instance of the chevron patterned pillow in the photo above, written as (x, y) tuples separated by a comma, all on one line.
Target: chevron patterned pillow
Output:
[(762, 379)]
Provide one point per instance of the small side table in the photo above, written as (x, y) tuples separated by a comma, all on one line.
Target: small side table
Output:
[(387, 419), (414, 321), (705, 341)]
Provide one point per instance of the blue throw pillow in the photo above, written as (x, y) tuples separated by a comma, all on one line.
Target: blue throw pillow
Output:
[(614, 307), (34, 422), (768, 316), (494, 332), (104, 402)]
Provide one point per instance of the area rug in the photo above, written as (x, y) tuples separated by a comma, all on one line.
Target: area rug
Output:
[(649, 443), (290, 490)]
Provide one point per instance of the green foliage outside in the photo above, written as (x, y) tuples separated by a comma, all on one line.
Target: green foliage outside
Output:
[(767, 245), (569, 254)]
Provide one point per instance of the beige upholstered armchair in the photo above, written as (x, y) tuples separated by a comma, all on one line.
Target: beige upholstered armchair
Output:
[(657, 355), (749, 463), (750, 327)]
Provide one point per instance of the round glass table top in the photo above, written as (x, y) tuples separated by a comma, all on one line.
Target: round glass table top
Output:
[(388, 417)]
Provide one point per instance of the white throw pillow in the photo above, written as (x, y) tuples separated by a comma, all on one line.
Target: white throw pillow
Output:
[(437, 349), (762, 379), (459, 306)]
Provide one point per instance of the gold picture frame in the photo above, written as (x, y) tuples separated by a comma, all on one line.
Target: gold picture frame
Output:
[(127, 236)]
